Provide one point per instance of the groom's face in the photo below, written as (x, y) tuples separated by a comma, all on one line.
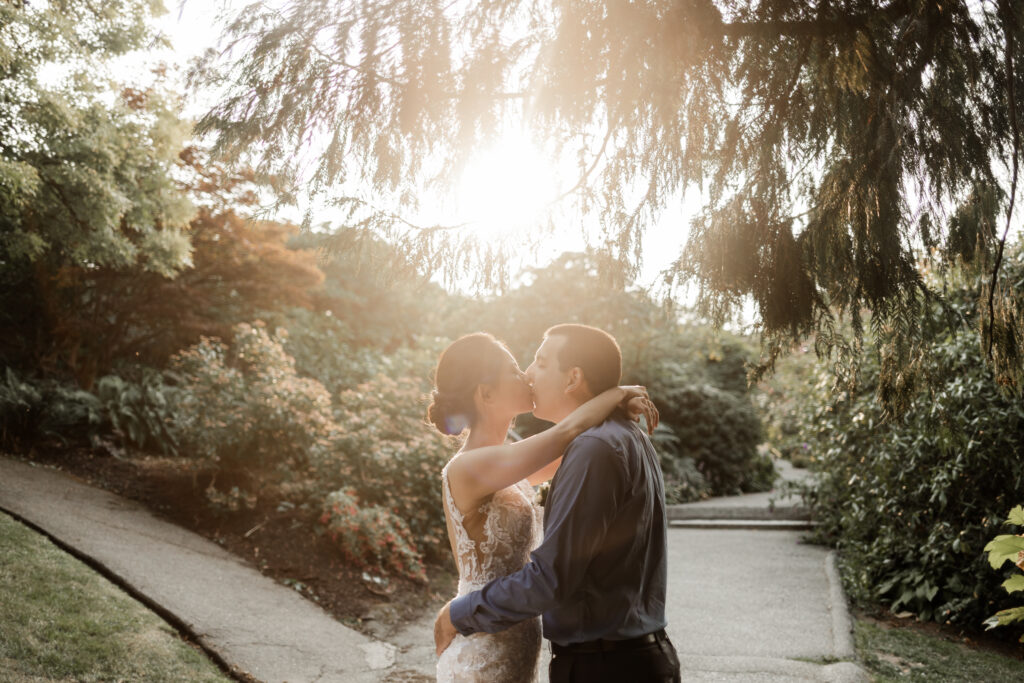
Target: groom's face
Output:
[(549, 381)]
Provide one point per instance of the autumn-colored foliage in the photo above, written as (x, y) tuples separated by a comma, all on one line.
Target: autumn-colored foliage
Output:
[(80, 319)]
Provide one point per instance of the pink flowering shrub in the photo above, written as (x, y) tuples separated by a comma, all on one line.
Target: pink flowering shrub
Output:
[(243, 408), (384, 450), (369, 461), (371, 537)]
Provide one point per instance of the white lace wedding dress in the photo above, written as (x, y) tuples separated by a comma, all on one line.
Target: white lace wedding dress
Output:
[(512, 527)]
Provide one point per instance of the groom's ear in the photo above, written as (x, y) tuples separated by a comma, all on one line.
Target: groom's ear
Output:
[(484, 392), (575, 381)]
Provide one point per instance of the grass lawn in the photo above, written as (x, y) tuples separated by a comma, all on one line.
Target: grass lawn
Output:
[(60, 621), (909, 654)]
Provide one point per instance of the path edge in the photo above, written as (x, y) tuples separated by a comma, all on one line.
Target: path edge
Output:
[(183, 629), (842, 622)]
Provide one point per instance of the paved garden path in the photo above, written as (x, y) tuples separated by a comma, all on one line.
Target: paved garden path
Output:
[(747, 601)]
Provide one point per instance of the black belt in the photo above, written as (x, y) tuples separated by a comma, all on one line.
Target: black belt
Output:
[(602, 645)]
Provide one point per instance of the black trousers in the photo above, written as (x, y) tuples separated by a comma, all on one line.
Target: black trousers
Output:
[(650, 663)]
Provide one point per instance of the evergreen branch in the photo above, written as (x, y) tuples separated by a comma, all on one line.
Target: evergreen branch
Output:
[(815, 28), (581, 182), (1011, 27), (358, 69), (397, 218), (783, 108)]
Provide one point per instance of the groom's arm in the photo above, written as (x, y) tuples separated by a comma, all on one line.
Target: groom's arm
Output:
[(581, 507)]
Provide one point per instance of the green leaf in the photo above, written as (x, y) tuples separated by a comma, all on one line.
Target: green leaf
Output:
[(1014, 583), (1017, 515), (1004, 617), (1002, 548)]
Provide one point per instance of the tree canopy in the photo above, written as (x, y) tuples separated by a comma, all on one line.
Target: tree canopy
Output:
[(836, 142), (86, 159)]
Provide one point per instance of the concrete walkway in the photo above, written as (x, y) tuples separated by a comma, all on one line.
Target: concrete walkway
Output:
[(747, 601)]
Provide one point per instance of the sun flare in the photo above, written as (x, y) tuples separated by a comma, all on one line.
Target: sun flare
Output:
[(505, 190)]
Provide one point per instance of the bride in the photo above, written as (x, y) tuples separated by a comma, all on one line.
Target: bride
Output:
[(493, 523)]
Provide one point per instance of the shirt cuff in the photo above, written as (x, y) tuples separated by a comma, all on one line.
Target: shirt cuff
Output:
[(460, 611)]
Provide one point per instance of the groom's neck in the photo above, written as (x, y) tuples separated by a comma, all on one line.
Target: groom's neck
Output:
[(569, 407)]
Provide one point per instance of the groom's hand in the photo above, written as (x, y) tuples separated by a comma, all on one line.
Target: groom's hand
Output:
[(444, 630)]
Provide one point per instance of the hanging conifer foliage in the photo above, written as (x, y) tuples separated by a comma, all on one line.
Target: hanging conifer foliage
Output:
[(836, 142)]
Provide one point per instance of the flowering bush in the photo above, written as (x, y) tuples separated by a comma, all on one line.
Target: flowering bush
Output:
[(243, 408), (384, 449), (371, 537)]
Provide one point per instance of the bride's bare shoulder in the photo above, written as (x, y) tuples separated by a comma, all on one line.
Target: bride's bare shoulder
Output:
[(460, 482)]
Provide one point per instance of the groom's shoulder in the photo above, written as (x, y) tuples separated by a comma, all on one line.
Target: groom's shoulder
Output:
[(618, 433)]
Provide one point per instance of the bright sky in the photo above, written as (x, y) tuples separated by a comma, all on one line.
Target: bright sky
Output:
[(501, 194)]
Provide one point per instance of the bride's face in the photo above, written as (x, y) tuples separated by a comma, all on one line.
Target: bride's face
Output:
[(510, 393)]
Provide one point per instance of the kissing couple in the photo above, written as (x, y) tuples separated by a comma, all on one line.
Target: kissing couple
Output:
[(595, 576)]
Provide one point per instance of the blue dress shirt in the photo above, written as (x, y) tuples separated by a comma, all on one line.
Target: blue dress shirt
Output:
[(601, 569)]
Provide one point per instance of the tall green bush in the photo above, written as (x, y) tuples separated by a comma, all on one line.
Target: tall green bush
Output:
[(384, 449), (365, 457), (910, 502), (244, 410), (325, 347), (716, 433)]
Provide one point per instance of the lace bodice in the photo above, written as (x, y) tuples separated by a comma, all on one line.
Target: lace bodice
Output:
[(512, 528)]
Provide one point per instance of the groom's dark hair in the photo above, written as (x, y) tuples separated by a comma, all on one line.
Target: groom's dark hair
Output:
[(593, 351)]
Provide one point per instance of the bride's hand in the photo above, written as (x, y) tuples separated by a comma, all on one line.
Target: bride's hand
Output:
[(444, 630), (637, 403)]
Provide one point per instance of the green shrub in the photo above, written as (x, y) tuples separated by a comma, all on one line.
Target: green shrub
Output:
[(683, 480), (20, 404), (33, 409), (324, 347), (782, 402), (384, 450), (142, 413), (244, 410), (370, 536), (1001, 549), (716, 430), (911, 502)]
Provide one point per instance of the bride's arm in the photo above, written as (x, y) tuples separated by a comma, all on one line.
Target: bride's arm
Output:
[(635, 407), (545, 473), (482, 471)]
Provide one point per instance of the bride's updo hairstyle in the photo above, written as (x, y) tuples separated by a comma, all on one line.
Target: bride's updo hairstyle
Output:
[(467, 363)]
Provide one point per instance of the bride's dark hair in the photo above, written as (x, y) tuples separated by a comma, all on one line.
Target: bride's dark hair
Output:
[(467, 363)]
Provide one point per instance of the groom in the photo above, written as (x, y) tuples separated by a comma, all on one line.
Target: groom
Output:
[(599, 577)]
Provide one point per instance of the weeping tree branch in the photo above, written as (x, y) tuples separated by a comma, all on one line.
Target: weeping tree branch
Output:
[(1011, 29), (816, 28), (581, 182)]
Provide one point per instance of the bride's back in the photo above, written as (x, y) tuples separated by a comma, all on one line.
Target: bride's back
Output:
[(493, 538)]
